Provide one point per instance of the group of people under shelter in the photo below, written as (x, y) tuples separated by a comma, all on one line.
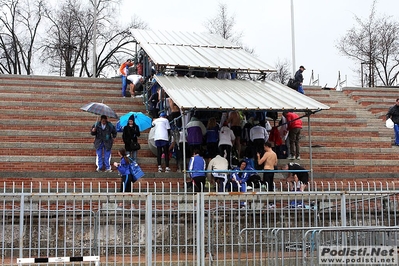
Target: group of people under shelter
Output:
[(230, 150), (240, 142)]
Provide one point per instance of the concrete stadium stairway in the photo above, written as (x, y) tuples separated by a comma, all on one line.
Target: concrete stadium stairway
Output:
[(45, 136), (349, 141)]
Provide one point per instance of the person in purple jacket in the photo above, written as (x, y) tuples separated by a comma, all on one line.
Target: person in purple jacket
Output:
[(195, 133)]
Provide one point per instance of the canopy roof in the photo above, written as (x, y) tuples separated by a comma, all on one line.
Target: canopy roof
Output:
[(225, 94), (197, 50)]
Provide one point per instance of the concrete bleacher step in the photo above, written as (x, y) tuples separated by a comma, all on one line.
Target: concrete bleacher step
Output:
[(45, 136)]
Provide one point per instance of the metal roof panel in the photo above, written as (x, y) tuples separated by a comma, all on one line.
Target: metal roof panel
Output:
[(197, 50), (204, 93)]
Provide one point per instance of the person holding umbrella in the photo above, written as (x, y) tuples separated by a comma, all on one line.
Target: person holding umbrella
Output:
[(104, 133), (130, 133)]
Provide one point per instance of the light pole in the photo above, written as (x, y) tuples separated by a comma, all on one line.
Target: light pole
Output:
[(95, 39), (293, 37)]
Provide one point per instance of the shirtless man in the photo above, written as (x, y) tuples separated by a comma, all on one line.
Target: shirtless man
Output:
[(234, 120), (269, 159)]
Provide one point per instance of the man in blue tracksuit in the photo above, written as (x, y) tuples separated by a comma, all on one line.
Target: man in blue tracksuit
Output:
[(197, 163), (104, 133), (239, 178)]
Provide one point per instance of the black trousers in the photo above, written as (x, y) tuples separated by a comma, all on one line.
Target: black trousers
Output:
[(268, 179)]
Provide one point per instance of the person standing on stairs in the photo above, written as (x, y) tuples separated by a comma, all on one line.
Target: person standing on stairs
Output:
[(299, 79), (104, 133), (130, 133), (161, 136), (393, 113), (294, 126), (124, 72)]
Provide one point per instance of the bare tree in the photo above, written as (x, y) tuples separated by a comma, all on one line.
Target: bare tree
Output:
[(374, 43), (19, 24), (69, 45), (283, 73), (223, 25), (65, 39)]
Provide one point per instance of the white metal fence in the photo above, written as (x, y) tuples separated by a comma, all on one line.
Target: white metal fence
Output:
[(163, 224)]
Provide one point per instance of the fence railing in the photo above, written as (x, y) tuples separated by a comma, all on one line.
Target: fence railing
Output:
[(162, 223)]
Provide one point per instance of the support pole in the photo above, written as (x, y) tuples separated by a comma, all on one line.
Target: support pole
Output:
[(293, 38), (95, 39)]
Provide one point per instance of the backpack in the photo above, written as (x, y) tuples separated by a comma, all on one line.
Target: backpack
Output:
[(135, 170), (293, 84)]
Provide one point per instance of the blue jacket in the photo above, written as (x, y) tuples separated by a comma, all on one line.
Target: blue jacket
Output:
[(196, 163), (212, 135), (123, 168), (240, 176)]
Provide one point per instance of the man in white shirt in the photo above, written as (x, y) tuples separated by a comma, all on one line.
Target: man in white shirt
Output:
[(218, 163), (161, 136), (133, 81)]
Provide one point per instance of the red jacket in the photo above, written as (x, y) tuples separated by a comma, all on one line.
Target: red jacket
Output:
[(294, 124)]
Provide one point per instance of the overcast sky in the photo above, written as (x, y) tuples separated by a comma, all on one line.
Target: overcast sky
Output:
[(266, 25)]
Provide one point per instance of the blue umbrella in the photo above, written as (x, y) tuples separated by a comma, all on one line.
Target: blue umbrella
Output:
[(143, 121)]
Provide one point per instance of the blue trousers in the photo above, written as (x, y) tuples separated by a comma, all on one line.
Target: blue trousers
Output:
[(300, 89), (396, 129), (124, 85), (100, 161), (133, 155)]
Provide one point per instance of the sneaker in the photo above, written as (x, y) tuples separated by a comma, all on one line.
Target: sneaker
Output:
[(98, 170), (159, 169), (291, 157), (140, 96), (249, 188), (123, 96), (271, 206), (132, 96), (108, 170), (298, 157), (167, 170)]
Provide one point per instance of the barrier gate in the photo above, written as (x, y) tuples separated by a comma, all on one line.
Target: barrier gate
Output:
[(170, 227)]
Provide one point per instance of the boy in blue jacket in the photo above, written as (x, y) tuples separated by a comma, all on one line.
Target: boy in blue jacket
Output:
[(197, 163)]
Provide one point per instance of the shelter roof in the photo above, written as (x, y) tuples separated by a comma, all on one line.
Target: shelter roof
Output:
[(224, 94), (197, 50)]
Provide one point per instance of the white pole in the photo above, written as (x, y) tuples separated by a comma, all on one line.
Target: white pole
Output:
[(293, 38), (95, 39)]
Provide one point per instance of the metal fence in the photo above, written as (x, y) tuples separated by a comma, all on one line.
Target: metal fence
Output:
[(165, 224)]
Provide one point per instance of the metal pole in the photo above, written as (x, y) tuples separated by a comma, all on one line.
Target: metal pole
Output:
[(95, 39), (293, 37), (183, 120), (310, 153)]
